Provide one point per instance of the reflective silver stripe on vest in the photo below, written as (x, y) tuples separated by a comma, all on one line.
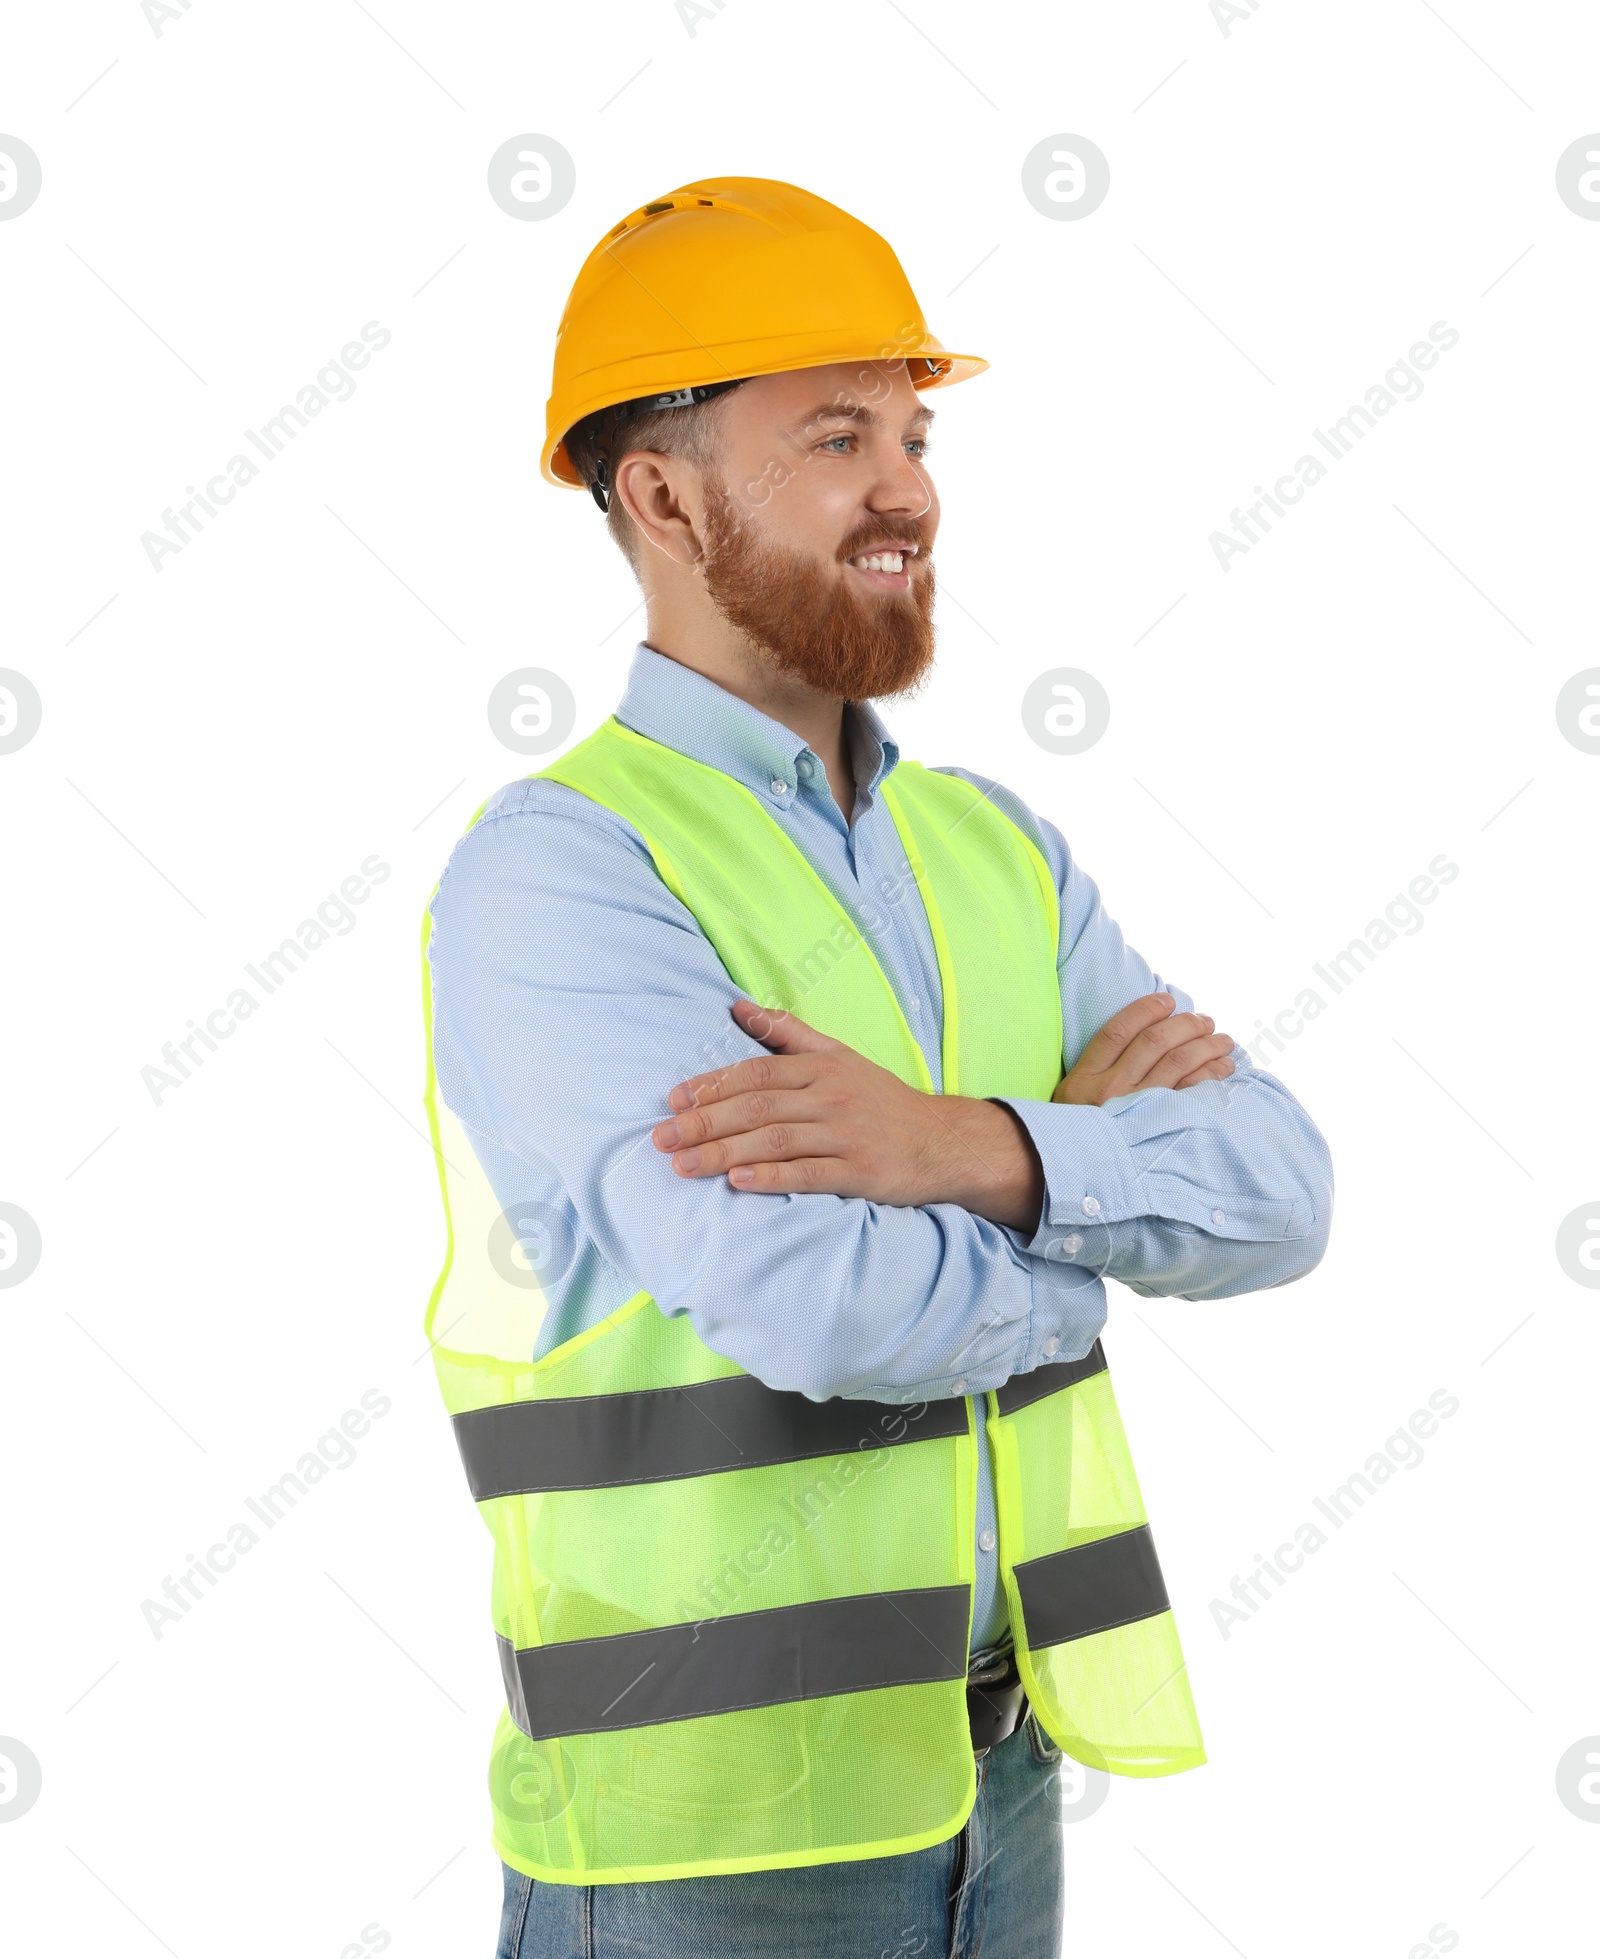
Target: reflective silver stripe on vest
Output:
[(1110, 1582), (606, 1441), (1022, 1390), (742, 1659)]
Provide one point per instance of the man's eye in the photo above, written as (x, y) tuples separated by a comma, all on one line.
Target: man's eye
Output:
[(830, 440), (920, 444)]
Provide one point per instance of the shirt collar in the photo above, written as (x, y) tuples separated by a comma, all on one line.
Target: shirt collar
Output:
[(682, 708)]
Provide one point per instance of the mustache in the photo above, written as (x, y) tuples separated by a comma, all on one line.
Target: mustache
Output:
[(893, 533)]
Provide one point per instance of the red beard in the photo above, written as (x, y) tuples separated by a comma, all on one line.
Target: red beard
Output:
[(852, 646)]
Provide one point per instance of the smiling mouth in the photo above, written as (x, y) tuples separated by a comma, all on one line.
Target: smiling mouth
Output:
[(887, 568)]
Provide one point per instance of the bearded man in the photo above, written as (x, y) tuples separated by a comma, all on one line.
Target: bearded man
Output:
[(793, 1101)]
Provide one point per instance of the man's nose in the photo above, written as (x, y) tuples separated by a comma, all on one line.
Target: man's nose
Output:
[(903, 489)]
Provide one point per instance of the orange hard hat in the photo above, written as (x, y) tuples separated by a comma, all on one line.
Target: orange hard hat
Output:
[(723, 280)]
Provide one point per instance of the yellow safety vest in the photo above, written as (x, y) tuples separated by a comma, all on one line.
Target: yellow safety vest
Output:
[(733, 1621)]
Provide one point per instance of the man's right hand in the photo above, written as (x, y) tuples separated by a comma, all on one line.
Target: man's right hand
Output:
[(1146, 1045)]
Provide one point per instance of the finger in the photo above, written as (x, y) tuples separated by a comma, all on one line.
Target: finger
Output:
[(756, 1071), (776, 1142), (1213, 1071), (1180, 1061), (776, 1028), (829, 1175), (1146, 1049), (733, 1115), (1124, 1025)]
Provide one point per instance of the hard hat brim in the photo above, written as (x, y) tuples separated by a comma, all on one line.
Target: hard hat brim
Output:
[(942, 370)]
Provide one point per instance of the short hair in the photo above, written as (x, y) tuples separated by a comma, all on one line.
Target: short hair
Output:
[(690, 432)]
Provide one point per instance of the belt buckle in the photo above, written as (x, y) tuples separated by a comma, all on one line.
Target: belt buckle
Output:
[(997, 1704)]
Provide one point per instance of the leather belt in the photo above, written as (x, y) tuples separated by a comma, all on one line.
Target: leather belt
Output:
[(997, 1702)]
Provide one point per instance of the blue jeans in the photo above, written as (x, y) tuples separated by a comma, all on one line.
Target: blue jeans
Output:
[(992, 1891)]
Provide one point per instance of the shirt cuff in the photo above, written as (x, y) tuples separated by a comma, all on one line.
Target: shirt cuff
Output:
[(1090, 1176)]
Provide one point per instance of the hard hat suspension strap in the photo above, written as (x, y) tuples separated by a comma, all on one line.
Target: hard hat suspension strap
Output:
[(600, 489)]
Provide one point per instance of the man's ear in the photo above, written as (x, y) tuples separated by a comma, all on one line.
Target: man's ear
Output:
[(651, 487)]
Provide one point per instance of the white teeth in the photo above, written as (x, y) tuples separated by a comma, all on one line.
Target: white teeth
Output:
[(881, 561)]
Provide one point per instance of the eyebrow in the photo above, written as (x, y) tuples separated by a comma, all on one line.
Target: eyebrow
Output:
[(858, 412)]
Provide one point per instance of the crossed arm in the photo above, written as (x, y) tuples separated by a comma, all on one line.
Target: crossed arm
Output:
[(816, 1115), (572, 991)]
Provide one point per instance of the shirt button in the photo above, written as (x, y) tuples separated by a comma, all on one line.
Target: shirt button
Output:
[(986, 1540), (804, 765), (1219, 1217), (960, 1387), (1051, 1346), (1091, 1207), (779, 786), (916, 1005), (1070, 1244)]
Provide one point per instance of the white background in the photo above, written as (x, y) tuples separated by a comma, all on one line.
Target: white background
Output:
[(302, 1758)]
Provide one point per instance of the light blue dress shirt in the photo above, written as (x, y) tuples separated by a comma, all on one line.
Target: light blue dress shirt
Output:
[(572, 990)]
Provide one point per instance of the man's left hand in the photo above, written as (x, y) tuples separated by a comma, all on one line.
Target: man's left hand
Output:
[(817, 1116)]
